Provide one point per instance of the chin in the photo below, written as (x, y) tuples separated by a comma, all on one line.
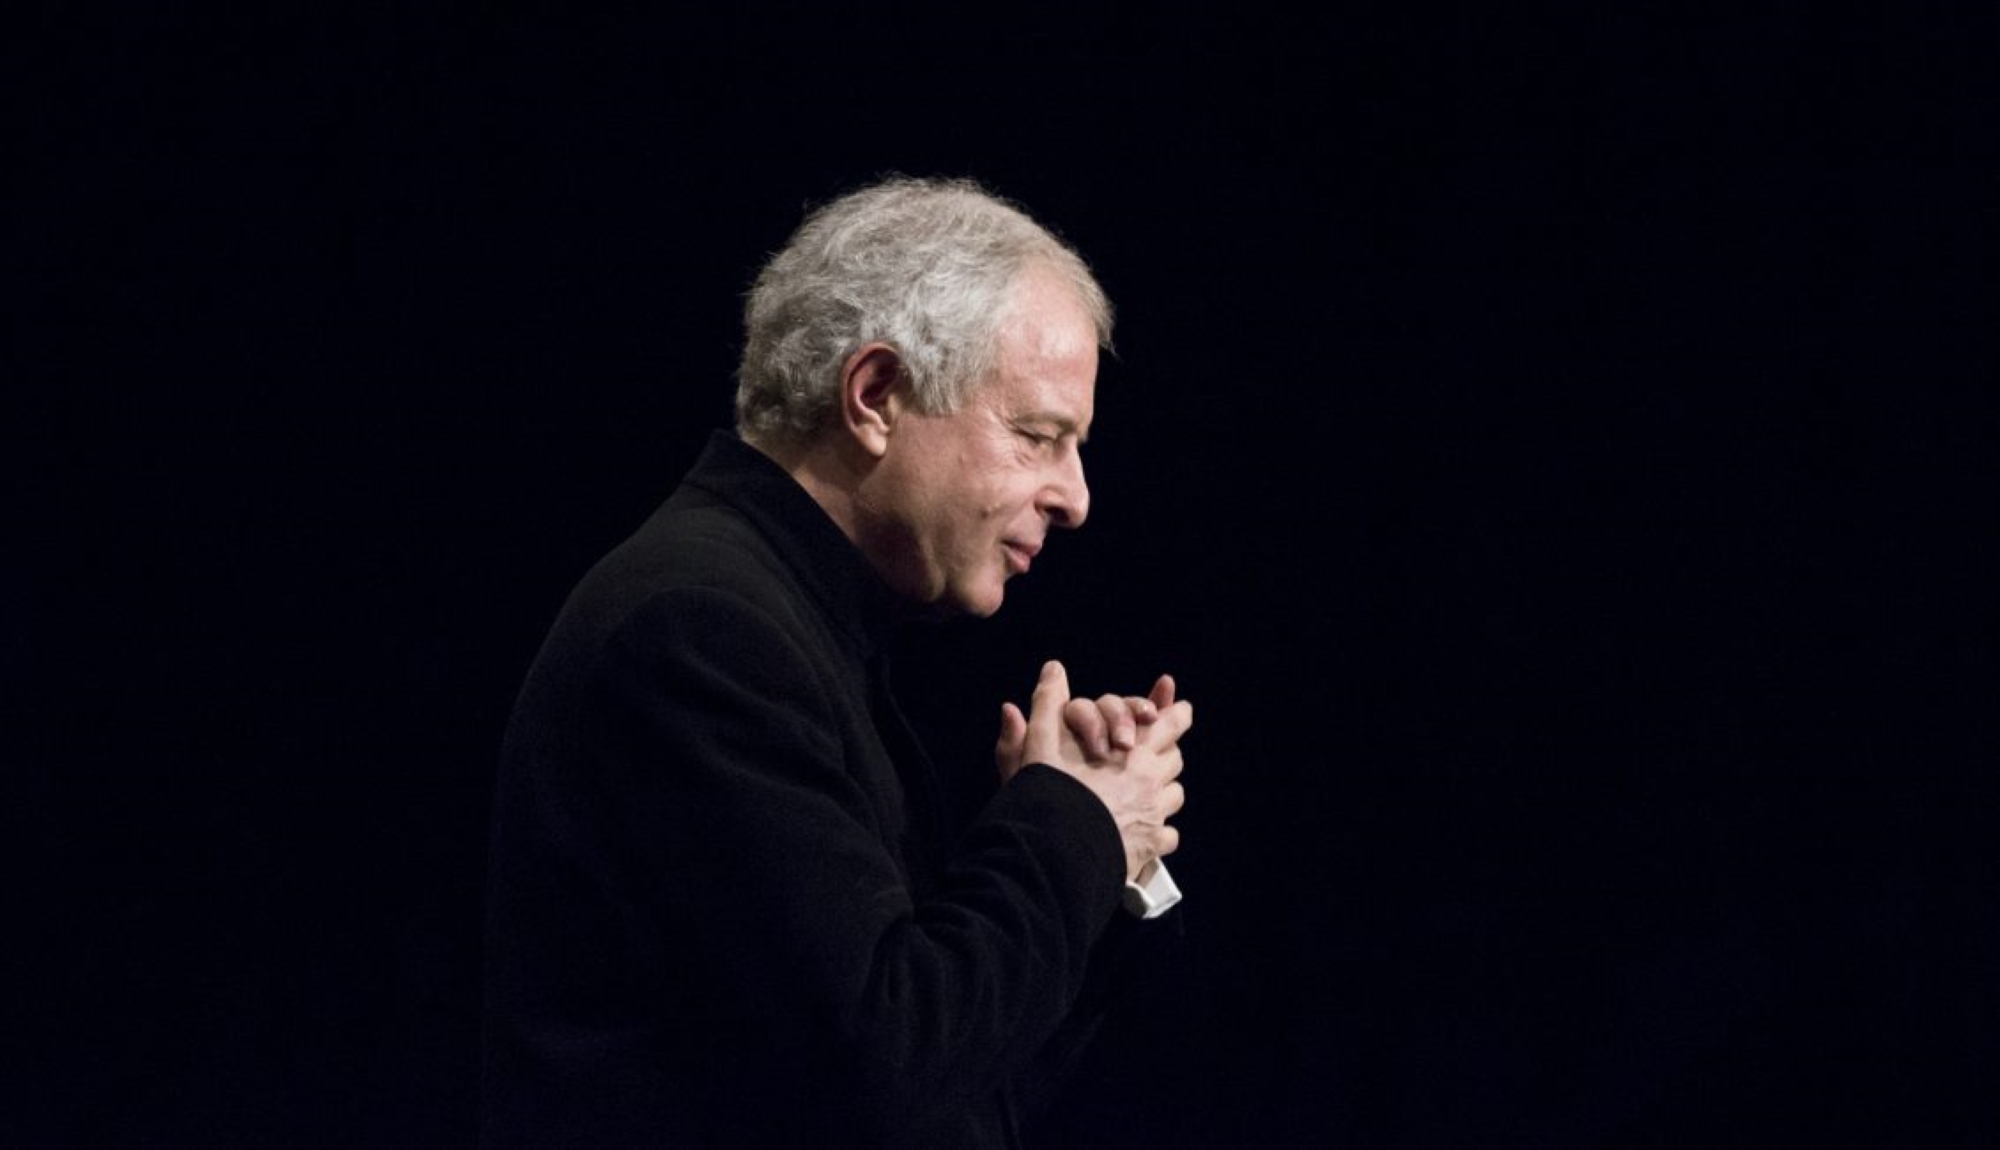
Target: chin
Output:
[(982, 602), (979, 608), (974, 592)]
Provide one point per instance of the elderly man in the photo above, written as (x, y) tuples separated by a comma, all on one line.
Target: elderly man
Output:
[(722, 909)]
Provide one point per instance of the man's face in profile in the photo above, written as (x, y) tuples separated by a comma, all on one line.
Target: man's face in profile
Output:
[(977, 490)]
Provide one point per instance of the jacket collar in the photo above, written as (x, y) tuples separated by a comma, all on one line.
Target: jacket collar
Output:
[(823, 559)]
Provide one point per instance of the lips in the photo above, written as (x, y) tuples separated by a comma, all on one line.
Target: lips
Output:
[(1020, 556)]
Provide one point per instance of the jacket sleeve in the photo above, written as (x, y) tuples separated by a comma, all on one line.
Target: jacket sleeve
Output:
[(722, 819)]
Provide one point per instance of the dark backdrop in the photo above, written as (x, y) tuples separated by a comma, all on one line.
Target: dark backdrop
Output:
[(1553, 450)]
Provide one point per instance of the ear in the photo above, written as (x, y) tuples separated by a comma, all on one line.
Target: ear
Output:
[(873, 394)]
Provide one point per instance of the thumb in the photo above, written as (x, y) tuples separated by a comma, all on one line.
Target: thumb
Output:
[(1051, 693), (1013, 739), (1043, 740)]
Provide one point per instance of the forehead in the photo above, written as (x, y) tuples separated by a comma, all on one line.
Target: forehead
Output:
[(1047, 352)]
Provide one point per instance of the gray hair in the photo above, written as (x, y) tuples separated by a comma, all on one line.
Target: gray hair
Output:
[(925, 266)]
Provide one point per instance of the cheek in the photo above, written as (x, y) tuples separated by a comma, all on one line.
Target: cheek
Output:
[(989, 504), (1011, 499)]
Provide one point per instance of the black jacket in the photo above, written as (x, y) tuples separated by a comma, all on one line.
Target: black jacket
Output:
[(720, 911)]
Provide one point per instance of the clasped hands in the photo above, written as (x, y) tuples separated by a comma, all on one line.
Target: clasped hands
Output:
[(1125, 748)]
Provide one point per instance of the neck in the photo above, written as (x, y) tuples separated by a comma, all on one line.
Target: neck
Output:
[(838, 475), (827, 474)]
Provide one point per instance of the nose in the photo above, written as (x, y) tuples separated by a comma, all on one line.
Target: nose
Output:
[(1066, 498)]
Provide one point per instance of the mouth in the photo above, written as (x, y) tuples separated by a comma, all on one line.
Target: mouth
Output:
[(1020, 556)]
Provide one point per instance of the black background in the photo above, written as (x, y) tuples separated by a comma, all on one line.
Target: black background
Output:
[(1553, 449)]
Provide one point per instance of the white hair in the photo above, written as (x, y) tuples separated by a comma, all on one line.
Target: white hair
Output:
[(928, 267)]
